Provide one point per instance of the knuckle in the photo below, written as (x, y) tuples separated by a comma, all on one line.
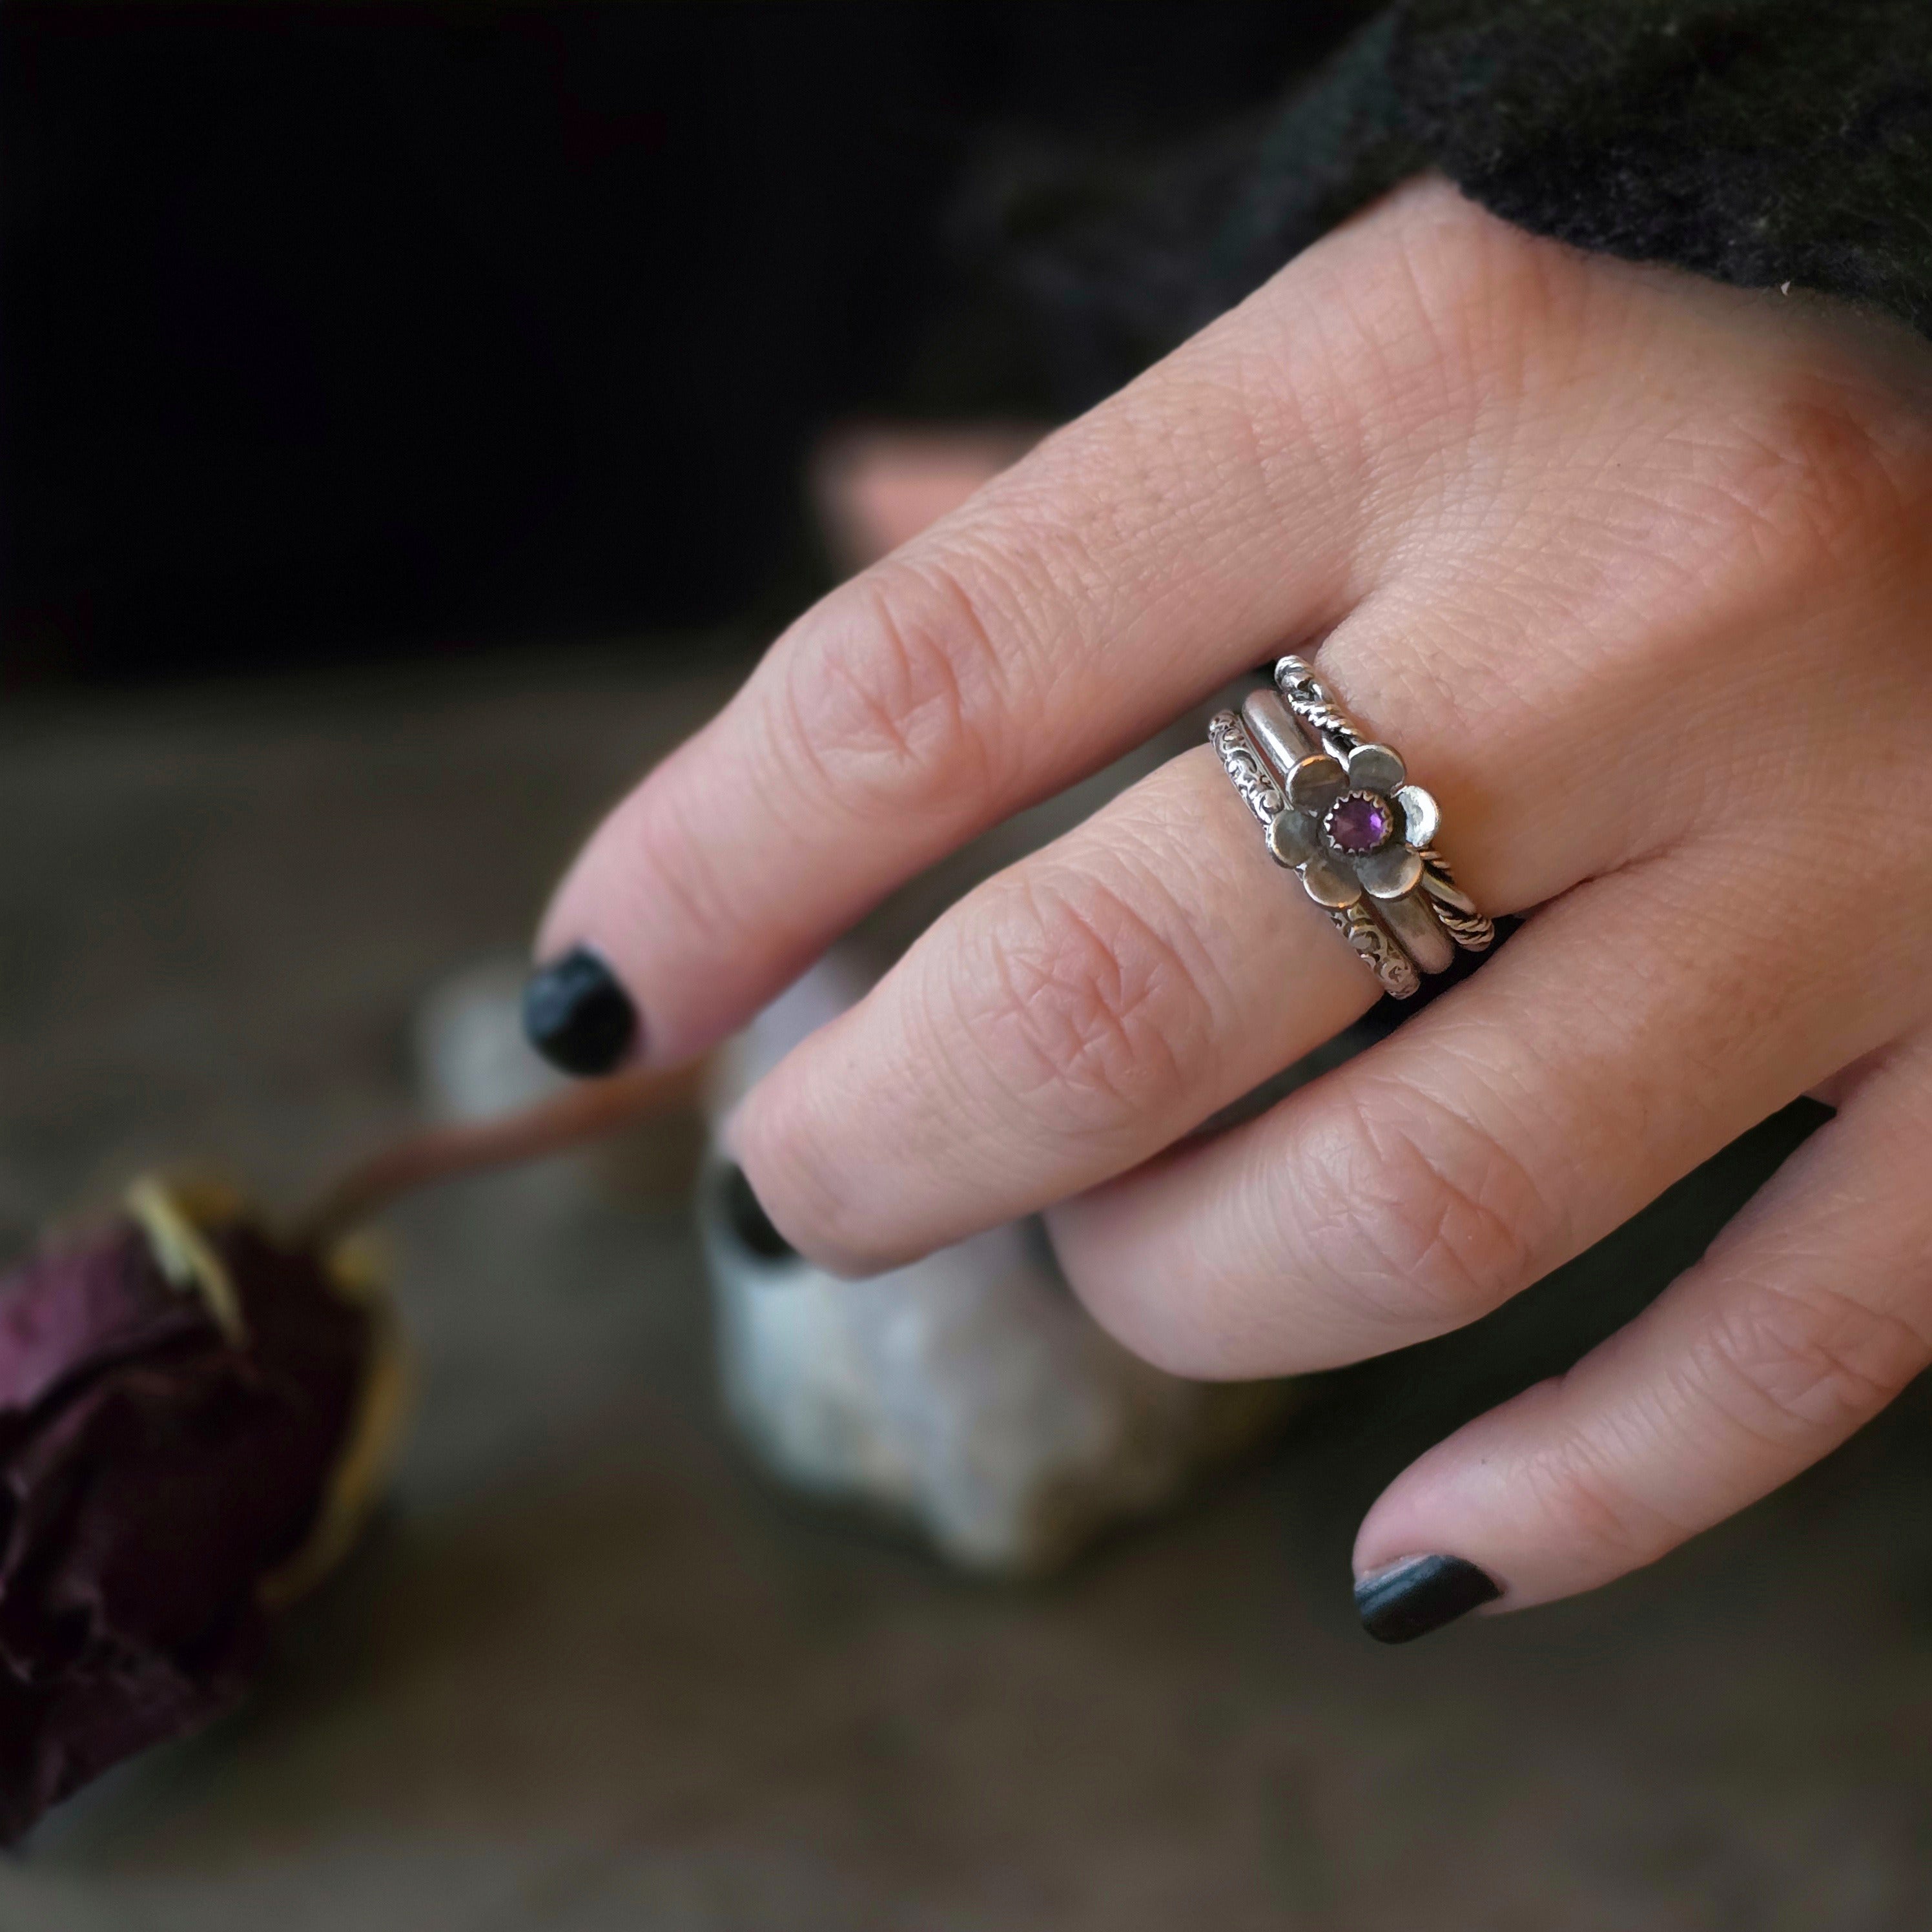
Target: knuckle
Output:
[(1424, 1212), (1452, 309), (902, 699), (1811, 479), (1072, 989), (1787, 1365)]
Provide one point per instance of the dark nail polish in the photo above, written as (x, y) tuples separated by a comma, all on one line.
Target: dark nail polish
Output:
[(746, 1216), (1420, 1594), (578, 1016)]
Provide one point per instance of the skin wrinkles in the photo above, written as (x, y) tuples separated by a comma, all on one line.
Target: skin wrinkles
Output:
[(1433, 1219), (915, 705), (1075, 985), (1578, 1487), (1084, 992), (1805, 1362)]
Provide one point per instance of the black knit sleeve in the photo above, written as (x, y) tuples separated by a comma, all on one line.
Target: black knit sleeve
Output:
[(1760, 141)]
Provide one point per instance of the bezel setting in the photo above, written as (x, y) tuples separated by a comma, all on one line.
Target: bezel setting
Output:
[(1385, 809)]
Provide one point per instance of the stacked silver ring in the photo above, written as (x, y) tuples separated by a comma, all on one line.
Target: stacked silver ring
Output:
[(1338, 810)]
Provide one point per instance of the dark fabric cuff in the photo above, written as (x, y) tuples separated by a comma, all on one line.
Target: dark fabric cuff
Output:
[(1759, 142)]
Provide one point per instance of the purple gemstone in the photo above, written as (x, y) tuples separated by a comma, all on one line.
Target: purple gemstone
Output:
[(1360, 822)]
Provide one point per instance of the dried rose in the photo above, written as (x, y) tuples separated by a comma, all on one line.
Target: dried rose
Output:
[(193, 1419)]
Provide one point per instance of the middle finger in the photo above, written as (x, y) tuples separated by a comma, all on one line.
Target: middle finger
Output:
[(1099, 1000), (1059, 1024)]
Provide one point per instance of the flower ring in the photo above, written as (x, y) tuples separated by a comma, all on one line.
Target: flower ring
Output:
[(1340, 811), (1352, 829)]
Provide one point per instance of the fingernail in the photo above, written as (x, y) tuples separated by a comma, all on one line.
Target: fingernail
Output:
[(1420, 1594), (748, 1219), (577, 1016)]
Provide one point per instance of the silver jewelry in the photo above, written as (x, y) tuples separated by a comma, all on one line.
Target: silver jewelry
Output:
[(1316, 709), (1338, 809), (1259, 789)]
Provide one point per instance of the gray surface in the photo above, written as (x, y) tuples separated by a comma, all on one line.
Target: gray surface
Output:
[(589, 1675)]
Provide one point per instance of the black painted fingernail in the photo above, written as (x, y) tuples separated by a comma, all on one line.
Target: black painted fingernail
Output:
[(578, 1016), (1420, 1594), (745, 1213)]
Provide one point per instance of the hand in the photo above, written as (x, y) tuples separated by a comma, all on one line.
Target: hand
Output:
[(1634, 570)]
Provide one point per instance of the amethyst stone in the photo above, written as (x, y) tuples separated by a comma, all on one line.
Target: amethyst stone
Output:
[(1360, 822)]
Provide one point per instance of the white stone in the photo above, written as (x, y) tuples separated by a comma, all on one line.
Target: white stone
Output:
[(969, 1395), (472, 1061)]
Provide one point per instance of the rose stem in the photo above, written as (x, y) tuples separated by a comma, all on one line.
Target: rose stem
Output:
[(434, 1154)]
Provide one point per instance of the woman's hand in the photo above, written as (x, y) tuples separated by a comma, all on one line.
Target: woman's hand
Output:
[(1636, 571)]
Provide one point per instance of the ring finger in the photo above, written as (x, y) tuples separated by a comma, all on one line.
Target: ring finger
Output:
[(1085, 1010)]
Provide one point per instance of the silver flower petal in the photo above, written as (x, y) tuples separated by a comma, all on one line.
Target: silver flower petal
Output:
[(1315, 783), (1329, 885), (1390, 872), (1376, 768), (1293, 837), (1422, 818)]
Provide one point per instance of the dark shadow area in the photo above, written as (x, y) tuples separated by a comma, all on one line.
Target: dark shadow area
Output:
[(334, 331)]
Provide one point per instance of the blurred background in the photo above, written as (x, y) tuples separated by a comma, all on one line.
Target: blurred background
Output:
[(412, 422), (344, 331)]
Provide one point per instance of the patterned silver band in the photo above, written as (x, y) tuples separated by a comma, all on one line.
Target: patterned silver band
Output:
[(1337, 809)]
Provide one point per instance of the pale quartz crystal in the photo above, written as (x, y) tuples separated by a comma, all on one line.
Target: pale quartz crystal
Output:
[(968, 1396)]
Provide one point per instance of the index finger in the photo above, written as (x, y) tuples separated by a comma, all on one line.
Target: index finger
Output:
[(1225, 503)]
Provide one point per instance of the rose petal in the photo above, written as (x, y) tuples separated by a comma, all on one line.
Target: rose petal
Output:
[(153, 1471), (66, 1311)]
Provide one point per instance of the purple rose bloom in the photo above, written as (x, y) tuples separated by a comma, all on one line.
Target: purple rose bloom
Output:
[(188, 1413)]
